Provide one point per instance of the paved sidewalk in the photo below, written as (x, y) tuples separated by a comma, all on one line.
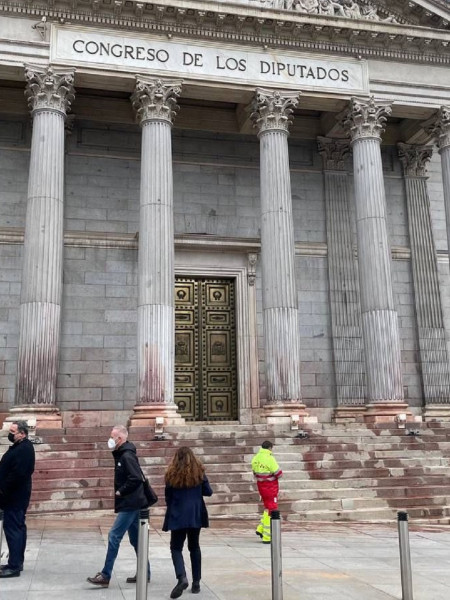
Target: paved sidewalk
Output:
[(320, 562)]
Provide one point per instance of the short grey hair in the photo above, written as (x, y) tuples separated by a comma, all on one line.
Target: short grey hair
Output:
[(22, 427), (122, 430)]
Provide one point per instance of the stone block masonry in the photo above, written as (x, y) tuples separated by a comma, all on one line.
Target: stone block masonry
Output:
[(216, 192), (106, 330), (10, 275)]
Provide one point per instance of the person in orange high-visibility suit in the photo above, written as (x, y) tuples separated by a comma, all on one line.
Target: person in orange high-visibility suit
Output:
[(267, 473)]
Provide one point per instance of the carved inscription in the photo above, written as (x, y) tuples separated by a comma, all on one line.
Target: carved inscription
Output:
[(212, 62)]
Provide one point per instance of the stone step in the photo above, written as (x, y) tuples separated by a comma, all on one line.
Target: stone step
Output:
[(372, 514), (245, 479), (68, 484), (336, 471), (178, 439), (283, 453), (162, 448), (316, 474), (102, 459), (212, 427), (248, 493), (239, 438), (338, 504), (239, 435), (94, 504), (252, 512)]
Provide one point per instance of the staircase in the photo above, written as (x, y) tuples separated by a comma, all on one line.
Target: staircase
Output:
[(338, 473)]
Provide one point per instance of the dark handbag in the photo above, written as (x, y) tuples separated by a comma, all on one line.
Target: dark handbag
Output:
[(149, 492)]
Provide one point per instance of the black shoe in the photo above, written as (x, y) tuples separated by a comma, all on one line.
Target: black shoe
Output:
[(258, 534), (133, 579), (8, 567), (180, 587), (195, 587), (7, 572)]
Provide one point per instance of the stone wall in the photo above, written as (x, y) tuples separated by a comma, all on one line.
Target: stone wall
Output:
[(98, 343), (10, 276), (216, 191)]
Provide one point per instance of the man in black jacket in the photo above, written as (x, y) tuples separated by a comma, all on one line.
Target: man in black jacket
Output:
[(129, 499), (16, 469)]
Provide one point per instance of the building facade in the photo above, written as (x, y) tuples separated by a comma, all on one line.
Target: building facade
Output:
[(215, 211)]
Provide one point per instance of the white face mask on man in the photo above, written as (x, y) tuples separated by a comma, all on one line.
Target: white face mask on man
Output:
[(111, 443)]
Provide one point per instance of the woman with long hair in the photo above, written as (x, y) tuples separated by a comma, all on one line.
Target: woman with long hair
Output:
[(186, 514)]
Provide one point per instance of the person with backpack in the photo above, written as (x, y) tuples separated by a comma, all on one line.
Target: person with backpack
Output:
[(129, 499)]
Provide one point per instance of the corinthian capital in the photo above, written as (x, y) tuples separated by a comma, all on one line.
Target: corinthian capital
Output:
[(333, 152), (414, 159), (366, 118), (273, 109), (439, 127), (49, 88), (155, 99)]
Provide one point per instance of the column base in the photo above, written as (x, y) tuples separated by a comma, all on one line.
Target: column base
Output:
[(144, 415), (287, 413), (349, 414), (388, 412), (436, 412), (38, 416)]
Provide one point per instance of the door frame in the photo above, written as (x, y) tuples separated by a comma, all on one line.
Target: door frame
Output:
[(194, 264)]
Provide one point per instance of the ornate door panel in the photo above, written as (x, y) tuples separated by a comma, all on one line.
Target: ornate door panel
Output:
[(205, 349)]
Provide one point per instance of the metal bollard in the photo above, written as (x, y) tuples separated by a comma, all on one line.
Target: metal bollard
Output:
[(1, 533), (142, 556), (275, 550), (405, 556)]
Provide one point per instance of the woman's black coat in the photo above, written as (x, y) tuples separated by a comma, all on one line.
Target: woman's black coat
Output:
[(186, 507)]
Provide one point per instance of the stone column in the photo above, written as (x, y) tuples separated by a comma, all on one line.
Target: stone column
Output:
[(343, 283), (50, 93), (155, 103), (272, 116), (365, 121), (440, 129), (432, 343)]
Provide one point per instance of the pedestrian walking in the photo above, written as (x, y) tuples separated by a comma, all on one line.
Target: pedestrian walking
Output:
[(129, 499), (186, 514), (267, 473), (16, 469)]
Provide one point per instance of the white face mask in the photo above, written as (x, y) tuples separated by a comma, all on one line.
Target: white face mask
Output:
[(111, 443)]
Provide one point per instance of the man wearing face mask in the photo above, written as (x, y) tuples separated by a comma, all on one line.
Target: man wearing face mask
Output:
[(129, 499), (16, 469)]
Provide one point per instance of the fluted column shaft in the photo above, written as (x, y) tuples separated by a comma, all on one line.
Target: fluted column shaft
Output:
[(440, 128), (431, 330), (50, 93), (280, 311), (155, 104), (365, 122), (343, 278), (445, 162)]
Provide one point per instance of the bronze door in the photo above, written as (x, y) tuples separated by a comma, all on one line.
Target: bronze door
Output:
[(205, 349)]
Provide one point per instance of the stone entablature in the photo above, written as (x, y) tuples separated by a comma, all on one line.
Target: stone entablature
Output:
[(211, 62), (410, 38), (393, 11)]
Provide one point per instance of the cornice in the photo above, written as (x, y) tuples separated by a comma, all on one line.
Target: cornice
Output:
[(234, 23)]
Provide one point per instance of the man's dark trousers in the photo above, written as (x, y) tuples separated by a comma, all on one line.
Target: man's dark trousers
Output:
[(16, 536)]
